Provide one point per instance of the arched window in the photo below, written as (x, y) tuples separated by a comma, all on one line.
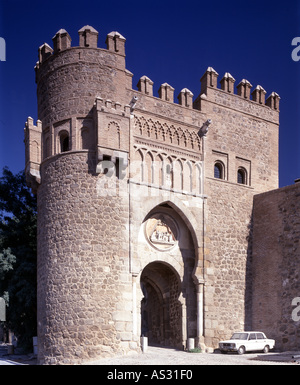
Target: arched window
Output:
[(242, 176), (85, 143), (64, 142), (219, 172)]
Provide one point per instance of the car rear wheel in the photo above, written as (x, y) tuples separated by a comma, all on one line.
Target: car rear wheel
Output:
[(241, 350), (266, 349)]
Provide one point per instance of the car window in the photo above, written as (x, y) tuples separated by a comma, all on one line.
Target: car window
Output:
[(260, 336), (239, 336), (252, 336)]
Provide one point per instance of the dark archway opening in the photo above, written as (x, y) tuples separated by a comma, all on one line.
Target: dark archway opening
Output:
[(161, 311)]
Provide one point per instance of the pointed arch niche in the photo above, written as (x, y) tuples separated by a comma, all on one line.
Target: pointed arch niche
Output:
[(167, 308)]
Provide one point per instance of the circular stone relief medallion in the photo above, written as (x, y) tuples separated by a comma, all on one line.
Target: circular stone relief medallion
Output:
[(161, 232)]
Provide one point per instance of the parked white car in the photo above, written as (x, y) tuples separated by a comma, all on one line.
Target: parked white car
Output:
[(247, 341)]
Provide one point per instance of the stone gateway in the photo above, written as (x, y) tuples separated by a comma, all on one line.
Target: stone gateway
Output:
[(145, 206)]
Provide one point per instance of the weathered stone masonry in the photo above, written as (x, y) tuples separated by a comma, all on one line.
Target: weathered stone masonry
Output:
[(144, 205), (276, 265)]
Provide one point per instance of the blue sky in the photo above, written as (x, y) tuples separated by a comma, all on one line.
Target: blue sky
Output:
[(169, 41)]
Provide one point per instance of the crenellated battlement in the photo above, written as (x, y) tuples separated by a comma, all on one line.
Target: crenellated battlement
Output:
[(210, 80), (115, 43), (96, 79), (243, 99), (88, 38)]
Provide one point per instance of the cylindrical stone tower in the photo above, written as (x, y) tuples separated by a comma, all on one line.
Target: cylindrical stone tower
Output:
[(81, 137), (123, 245)]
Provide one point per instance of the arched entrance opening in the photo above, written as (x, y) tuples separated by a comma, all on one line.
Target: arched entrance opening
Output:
[(161, 310)]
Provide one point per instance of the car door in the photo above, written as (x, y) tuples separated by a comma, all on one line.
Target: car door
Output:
[(261, 341), (252, 342)]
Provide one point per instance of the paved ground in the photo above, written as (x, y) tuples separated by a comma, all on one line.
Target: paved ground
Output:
[(5, 361), (162, 356), (16, 359)]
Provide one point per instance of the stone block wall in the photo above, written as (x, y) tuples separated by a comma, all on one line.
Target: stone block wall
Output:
[(228, 243), (84, 285), (276, 265), (243, 136)]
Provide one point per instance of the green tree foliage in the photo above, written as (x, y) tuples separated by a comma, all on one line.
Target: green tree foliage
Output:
[(18, 214)]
